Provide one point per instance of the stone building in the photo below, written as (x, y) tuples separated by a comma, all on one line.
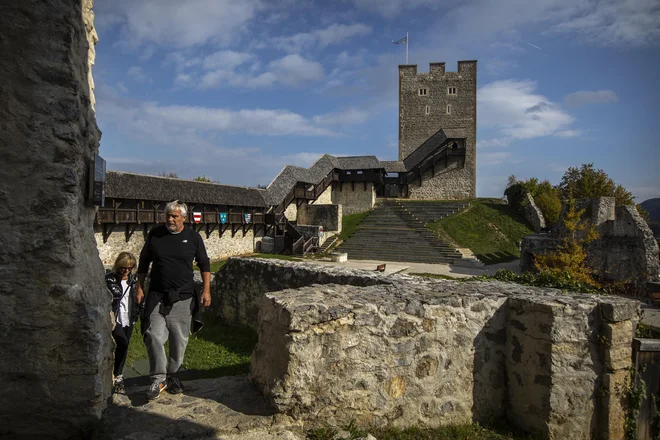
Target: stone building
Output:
[(440, 100)]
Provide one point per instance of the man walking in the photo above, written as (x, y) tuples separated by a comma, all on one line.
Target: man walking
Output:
[(171, 304)]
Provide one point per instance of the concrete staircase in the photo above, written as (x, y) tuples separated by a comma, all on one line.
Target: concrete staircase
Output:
[(393, 233)]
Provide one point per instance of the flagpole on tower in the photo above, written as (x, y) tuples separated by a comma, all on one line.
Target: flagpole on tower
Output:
[(407, 47)]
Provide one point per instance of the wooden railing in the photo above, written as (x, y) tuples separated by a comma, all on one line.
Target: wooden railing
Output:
[(150, 216), (310, 245)]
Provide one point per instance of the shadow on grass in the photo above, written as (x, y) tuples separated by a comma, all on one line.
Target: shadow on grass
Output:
[(510, 212), (497, 257)]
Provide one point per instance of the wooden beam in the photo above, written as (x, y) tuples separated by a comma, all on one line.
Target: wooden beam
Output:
[(107, 230), (130, 229)]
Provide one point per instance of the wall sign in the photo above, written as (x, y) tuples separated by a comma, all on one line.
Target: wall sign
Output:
[(248, 218), (223, 218), (197, 217), (97, 181)]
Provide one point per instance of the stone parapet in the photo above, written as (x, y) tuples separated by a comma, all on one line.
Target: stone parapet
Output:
[(418, 353)]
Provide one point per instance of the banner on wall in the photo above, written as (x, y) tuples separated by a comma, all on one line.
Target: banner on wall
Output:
[(197, 217), (248, 218), (223, 218)]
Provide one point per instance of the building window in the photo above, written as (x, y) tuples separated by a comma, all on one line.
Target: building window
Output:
[(428, 110), (360, 172), (449, 109), (423, 92), (451, 91)]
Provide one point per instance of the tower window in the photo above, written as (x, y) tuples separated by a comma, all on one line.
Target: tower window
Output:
[(449, 109), (423, 92), (451, 90), (428, 110)]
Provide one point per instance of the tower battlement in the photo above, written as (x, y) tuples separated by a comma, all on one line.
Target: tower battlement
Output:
[(465, 68)]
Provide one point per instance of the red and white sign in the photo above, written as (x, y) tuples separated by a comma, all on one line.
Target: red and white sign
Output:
[(197, 217)]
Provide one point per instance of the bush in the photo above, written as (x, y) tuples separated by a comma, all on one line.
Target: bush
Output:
[(550, 205), (546, 197), (515, 196)]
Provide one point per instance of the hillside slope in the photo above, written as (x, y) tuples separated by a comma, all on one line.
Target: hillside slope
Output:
[(489, 227), (652, 206)]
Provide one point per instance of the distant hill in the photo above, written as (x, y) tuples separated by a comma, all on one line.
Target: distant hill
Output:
[(653, 208)]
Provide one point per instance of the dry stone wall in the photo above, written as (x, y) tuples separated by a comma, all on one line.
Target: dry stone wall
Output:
[(56, 345), (216, 247), (242, 283), (420, 353)]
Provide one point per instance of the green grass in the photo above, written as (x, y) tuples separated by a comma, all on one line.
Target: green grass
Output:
[(432, 275), (464, 432), (217, 264), (349, 224), (489, 228), (216, 350)]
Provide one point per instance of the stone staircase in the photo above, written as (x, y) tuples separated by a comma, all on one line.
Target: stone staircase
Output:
[(328, 243), (427, 212), (393, 233)]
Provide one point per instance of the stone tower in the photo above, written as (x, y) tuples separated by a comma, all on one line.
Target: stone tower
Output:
[(431, 101)]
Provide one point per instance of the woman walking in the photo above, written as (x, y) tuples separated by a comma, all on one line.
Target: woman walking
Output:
[(122, 282)]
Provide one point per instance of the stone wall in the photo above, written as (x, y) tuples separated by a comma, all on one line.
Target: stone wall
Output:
[(217, 247), (625, 250), (328, 216), (55, 321), (241, 284), (451, 183), (429, 353), (354, 201), (416, 125)]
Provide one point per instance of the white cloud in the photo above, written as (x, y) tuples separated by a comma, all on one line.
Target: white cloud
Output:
[(346, 60), (391, 8), (496, 158), (227, 60), (122, 87), (294, 69), (333, 34), (138, 74), (345, 117), (178, 23), (493, 142), (606, 22), (516, 112), (615, 22), (586, 97), (568, 133)]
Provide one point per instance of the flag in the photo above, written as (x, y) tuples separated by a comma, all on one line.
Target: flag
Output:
[(404, 40), (197, 217), (248, 218)]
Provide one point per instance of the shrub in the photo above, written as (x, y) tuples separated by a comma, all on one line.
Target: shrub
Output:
[(569, 261), (550, 205)]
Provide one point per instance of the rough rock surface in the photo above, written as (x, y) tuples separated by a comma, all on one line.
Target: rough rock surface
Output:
[(241, 283), (624, 251), (427, 354), (226, 408), (54, 307), (533, 214)]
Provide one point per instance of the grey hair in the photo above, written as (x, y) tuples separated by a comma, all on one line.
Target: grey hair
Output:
[(176, 205)]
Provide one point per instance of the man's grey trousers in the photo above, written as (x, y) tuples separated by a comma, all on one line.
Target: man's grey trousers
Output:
[(176, 325)]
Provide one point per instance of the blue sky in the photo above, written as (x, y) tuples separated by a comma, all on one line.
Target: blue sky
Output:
[(234, 90)]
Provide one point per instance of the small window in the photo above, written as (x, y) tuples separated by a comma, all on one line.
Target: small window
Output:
[(348, 172), (449, 109), (423, 92), (428, 110), (359, 172), (451, 91)]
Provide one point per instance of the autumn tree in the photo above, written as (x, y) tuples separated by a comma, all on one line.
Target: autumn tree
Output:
[(588, 182)]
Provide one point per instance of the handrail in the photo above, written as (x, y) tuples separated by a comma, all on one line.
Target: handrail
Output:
[(297, 244)]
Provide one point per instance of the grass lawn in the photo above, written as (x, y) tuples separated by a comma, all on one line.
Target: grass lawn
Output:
[(466, 432), (349, 224), (489, 227), (216, 350)]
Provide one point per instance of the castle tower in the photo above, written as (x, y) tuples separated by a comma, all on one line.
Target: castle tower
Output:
[(431, 101)]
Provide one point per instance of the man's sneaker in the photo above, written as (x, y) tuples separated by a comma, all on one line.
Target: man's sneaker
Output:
[(174, 385), (155, 389), (118, 385)]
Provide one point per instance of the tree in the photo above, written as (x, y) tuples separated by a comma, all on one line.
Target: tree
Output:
[(569, 261), (588, 182), (171, 175), (202, 179)]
